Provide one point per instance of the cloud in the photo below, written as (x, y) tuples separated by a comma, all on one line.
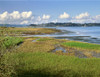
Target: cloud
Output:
[(64, 16), (97, 17), (4, 16), (39, 18), (45, 17), (26, 14), (27, 17), (42, 19), (16, 17), (24, 22), (83, 16), (55, 21), (82, 21)]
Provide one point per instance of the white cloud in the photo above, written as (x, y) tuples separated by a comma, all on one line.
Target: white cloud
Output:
[(26, 14), (36, 23), (64, 16), (83, 16), (39, 18), (27, 17), (55, 21), (16, 17), (4, 16), (97, 17), (82, 21), (24, 22), (45, 17)]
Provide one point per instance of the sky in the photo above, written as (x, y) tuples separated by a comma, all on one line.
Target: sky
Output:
[(44, 11)]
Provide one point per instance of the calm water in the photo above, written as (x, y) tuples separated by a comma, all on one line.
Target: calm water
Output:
[(84, 34), (83, 31), (76, 31)]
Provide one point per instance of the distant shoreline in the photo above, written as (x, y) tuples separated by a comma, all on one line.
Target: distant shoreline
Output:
[(66, 25), (51, 24)]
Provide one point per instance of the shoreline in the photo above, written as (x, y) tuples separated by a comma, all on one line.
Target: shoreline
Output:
[(69, 35), (49, 32)]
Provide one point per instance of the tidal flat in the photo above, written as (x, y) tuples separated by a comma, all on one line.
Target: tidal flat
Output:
[(13, 31), (46, 56)]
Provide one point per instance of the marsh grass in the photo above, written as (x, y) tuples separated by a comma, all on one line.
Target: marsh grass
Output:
[(42, 46), (82, 46), (12, 31), (46, 39), (6, 45), (43, 64), (6, 42), (31, 59)]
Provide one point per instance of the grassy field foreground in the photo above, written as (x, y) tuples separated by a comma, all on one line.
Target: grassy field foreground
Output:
[(7, 44), (42, 64), (36, 59)]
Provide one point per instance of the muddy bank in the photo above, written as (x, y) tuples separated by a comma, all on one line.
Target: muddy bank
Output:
[(64, 34), (73, 52), (87, 39)]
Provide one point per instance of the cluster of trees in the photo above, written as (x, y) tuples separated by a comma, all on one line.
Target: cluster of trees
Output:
[(64, 24)]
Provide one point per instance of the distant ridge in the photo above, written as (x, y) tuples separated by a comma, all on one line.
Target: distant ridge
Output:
[(51, 24)]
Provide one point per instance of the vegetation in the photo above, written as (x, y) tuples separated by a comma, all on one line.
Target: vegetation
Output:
[(82, 46), (42, 64), (40, 45), (7, 44), (31, 31), (34, 56), (65, 24), (10, 41)]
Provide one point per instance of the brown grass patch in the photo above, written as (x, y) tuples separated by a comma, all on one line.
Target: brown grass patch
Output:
[(41, 46), (30, 31)]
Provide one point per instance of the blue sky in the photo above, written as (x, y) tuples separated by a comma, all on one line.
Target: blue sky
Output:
[(50, 11)]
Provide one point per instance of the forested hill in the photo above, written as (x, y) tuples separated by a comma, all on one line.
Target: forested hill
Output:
[(64, 24)]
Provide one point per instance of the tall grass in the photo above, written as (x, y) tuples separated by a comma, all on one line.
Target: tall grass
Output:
[(7, 44), (32, 59), (12, 31), (43, 64), (81, 45), (10, 41)]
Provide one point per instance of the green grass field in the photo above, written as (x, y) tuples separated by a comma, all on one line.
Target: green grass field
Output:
[(42, 64), (82, 46), (35, 59), (10, 41), (7, 44)]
